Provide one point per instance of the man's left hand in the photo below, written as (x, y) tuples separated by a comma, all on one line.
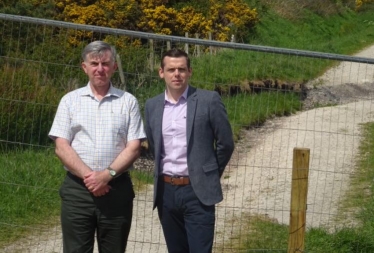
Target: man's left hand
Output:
[(97, 182)]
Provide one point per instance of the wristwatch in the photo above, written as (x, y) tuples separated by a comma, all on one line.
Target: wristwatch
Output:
[(112, 172)]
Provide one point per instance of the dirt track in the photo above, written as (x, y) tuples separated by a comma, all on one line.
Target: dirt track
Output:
[(259, 181)]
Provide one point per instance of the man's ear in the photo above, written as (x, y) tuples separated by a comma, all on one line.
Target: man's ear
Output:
[(161, 72), (84, 67)]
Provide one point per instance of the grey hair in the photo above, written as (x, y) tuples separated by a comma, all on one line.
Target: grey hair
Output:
[(97, 48)]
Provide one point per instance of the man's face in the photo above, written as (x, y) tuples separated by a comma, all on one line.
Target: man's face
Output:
[(99, 68), (175, 73)]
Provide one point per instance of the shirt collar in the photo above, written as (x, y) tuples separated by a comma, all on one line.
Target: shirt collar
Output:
[(184, 96), (87, 91)]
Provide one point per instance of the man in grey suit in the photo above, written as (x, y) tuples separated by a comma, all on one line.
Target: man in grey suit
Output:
[(191, 140)]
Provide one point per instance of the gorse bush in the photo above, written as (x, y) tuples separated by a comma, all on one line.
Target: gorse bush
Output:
[(361, 3), (221, 18)]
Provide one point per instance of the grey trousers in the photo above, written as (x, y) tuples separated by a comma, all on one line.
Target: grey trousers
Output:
[(83, 215)]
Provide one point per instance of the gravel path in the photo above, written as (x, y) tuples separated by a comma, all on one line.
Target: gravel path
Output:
[(258, 181), (258, 178)]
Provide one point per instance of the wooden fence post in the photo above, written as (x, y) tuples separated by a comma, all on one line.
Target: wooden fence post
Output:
[(186, 45), (168, 45), (210, 38), (151, 55), (120, 71), (197, 47), (299, 192)]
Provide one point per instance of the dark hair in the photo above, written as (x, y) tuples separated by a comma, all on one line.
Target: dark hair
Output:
[(175, 53), (97, 48)]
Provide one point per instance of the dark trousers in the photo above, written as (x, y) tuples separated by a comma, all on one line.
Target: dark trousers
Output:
[(188, 225), (83, 215)]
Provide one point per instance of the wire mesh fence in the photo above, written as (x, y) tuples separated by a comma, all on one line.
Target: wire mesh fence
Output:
[(40, 62)]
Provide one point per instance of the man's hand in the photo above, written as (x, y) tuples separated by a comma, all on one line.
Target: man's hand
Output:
[(97, 182), (101, 192)]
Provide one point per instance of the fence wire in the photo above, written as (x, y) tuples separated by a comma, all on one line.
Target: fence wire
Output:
[(40, 61)]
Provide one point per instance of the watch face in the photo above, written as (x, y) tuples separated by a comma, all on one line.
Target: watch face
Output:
[(112, 173)]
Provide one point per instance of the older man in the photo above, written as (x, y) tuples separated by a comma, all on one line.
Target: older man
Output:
[(97, 131)]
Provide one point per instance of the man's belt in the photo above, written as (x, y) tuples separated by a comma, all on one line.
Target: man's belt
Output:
[(175, 180)]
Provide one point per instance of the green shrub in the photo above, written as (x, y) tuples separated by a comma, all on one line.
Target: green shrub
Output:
[(27, 105)]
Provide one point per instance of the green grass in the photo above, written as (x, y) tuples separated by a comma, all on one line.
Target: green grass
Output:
[(140, 179), (28, 190), (253, 110), (263, 233), (343, 33), (232, 67)]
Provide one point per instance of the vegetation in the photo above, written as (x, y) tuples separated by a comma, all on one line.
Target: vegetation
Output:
[(25, 109), (163, 17), (254, 110), (41, 65), (28, 190)]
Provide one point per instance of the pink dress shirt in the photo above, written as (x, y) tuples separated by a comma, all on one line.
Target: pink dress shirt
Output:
[(174, 129)]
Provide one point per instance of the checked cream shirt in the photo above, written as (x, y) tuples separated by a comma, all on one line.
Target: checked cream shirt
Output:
[(98, 130)]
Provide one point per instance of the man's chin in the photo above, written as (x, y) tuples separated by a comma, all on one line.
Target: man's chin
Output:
[(100, 84)]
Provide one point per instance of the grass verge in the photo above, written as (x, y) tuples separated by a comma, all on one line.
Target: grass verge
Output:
[(29, 190), (245, 111), (343, 33)]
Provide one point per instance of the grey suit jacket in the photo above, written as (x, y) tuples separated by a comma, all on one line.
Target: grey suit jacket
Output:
[(209, 141)]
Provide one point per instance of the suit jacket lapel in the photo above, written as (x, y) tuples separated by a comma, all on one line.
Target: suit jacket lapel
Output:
[(158, 113), (191, 110)]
